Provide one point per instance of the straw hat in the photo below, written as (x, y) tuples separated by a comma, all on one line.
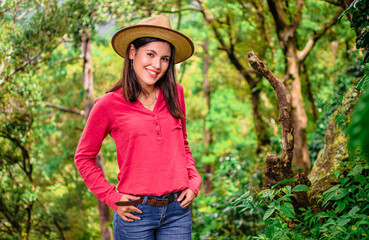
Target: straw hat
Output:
[(157, 27)]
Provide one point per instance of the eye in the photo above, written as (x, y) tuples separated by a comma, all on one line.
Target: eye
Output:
[(150, 54), (165, 59)]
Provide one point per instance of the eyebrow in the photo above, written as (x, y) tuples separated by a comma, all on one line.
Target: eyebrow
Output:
[(150, 50)]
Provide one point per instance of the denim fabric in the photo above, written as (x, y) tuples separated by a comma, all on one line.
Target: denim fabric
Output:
[(171, 222)]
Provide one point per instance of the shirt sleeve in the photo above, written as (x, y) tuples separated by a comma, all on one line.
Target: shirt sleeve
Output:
[(96, 129), (194, 177)]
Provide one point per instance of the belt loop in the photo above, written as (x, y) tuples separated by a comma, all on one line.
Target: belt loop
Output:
[(144, 201), (175, 196)]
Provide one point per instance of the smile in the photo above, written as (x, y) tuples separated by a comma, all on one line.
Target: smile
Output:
[(152, 73)]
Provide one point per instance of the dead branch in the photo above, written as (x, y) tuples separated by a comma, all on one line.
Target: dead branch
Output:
[(285, 111), (66, 109), (280, 168)]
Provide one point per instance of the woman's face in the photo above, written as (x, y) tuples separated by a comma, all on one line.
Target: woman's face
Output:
[(150, 62)]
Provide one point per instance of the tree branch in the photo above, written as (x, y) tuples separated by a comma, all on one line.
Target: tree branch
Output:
[(228, 49), (24, 14), (229, 31), (298, 15), (67, 60), (333, 2), (183, 10), (30, 61), (212, 26), (276, 9), (66, 109), (311, 42), (8, 215), (262, 29), (25, 154), (22, 66)]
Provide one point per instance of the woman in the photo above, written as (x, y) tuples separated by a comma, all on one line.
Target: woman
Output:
[(145, 115)]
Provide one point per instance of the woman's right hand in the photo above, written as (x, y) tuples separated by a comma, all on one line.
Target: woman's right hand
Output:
[(126, 211)]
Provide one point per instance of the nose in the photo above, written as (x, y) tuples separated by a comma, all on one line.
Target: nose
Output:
[(156, 62)]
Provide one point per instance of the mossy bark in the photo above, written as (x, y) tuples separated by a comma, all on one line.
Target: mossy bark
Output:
[(335, 151)]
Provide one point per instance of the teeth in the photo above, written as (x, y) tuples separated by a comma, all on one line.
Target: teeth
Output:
[(152, 72)]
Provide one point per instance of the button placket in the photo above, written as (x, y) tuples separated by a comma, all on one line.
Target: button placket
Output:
[(157, 128)]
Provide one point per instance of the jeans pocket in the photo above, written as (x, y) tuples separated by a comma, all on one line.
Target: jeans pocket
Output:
[(179, 205)]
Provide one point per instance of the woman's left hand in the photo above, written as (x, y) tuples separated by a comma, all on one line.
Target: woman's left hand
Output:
[(188, 196)]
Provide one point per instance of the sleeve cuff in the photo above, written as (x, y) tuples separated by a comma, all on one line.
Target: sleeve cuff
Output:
[(194, 186), (113, 199)]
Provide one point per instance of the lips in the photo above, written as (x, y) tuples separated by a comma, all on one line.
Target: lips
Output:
[(152, 73)]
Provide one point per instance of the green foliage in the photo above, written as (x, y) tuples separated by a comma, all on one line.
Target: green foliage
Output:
[(343, 83), (276, 201), (360, 21), (358, 131), (344, 213), (213, 216)]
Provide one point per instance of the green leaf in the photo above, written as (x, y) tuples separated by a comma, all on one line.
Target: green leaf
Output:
[(301, 188), (269, 231), (322, 215), (267, 193), (341, 205), (357, 170), (288, 210), (287, 189), (362, 82), (344, 180), (361, 179), (329, 191), (241, 198), (362, 41), (340, 120), (366, 56), (353, 211), (332, 214), (285, 181), (268, 213), (348, 10), (343, 221), (338, 194)]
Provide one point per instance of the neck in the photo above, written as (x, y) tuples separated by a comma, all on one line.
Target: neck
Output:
[(148, 91)]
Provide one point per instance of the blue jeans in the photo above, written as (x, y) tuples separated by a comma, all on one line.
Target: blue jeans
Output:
[(157, 223)]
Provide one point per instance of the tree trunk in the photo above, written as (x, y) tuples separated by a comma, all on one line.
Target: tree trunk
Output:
[(286, 24), (287, 36), (301, 157), (259, 123), (208, 168), (87, 80), (310, 93)]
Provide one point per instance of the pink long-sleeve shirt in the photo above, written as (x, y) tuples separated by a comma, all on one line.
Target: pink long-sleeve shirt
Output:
[(152, 149)]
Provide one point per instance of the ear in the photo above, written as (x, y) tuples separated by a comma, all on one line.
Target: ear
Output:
[(132, 51)]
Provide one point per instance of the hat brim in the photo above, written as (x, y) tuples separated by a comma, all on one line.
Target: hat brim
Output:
[(183, 46)]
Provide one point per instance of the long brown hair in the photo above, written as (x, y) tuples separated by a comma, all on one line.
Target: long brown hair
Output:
[(167, 83)]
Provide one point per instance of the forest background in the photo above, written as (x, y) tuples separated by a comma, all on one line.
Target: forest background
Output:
[(282, 156)]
